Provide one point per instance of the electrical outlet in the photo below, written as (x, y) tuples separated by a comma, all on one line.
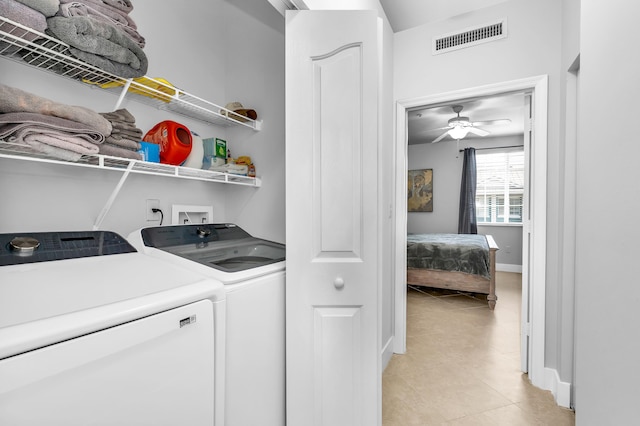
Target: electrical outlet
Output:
[(191, 215), (150, 215)]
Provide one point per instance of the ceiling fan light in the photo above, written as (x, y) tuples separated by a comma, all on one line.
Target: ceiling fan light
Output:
[(458, 132)]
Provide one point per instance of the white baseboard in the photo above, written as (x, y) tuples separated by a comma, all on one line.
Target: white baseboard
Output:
[(507, 267), (561, 390), (387, 353)]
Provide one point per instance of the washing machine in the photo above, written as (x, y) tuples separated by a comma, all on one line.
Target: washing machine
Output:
[(94, 332), (253, 273)]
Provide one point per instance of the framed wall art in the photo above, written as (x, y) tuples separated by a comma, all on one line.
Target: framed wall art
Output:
[(420, 191)]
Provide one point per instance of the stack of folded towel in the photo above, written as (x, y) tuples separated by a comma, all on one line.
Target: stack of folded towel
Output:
[(32, 123), (112, 12), (99, 32), (125, 137)]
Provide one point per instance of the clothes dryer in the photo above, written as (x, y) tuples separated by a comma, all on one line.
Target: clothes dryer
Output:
[(253, 273), (93, 332)]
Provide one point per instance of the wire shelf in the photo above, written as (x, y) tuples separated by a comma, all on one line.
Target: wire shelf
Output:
[(18, 151), (25, 45)]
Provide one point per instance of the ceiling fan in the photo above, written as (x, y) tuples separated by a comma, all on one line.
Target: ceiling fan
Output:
[(459, 127)]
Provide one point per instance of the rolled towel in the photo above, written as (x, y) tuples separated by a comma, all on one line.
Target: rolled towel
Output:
[(100, 44), (46, 7), (16, 100)]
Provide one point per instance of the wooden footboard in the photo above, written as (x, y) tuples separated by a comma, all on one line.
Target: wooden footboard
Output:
[(460, 281)]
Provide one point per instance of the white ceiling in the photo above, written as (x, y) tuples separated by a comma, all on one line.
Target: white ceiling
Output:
[(406, 14), (425, 124)]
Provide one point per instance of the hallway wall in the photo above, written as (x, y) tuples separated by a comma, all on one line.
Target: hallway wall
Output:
[(525, 52), (607, 205)]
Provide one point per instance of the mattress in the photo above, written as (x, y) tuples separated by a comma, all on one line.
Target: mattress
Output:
[(449, 252)]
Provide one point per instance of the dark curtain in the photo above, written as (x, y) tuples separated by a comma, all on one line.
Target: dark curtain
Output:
[(467, 223)]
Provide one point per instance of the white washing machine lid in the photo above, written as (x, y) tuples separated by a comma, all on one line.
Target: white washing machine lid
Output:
[(48, 301)]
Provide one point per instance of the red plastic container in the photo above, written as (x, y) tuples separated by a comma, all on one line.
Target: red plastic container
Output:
[(174, 140)]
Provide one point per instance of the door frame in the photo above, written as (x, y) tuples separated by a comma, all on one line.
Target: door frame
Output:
[(538, 85)]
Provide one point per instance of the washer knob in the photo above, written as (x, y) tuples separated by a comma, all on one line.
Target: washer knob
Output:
[(24, 245), (203, 232)]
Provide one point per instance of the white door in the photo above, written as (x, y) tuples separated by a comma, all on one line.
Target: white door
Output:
[(333, 331)]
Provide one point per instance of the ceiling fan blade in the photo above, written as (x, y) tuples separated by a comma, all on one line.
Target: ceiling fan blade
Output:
[(479, 132), (439, 138), (500, 121), (438, 128)]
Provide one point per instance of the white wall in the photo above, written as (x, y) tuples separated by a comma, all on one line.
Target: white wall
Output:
[(189, 46), (607, 290), (509, 240), (446, 162), (254, 64), (532, 48), (567, 197)]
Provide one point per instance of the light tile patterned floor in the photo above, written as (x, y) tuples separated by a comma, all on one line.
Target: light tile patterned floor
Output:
[(462, 365)]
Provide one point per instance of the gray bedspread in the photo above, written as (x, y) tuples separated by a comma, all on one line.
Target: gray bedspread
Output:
[(449, 252)]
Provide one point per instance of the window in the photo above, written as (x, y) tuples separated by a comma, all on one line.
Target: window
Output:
[(500, 187)]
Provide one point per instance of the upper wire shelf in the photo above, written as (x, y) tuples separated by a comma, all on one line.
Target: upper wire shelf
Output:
[(31, 47)]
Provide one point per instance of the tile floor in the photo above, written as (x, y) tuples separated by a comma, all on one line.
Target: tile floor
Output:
[(462, 365)]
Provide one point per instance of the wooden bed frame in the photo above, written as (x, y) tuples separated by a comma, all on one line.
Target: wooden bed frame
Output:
[(460, 281)]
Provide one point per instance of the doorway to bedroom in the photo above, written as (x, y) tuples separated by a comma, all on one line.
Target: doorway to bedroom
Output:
[(533, 211)]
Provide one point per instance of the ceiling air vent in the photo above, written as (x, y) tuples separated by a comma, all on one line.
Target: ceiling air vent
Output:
[(469, 37)]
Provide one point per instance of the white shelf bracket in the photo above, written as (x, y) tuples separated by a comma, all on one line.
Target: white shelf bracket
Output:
[(113, 196), (123, 94)]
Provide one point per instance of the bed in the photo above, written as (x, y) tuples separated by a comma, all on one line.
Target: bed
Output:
[(461, 262)]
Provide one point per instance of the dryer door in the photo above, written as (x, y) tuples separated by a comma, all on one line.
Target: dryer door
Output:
[(156, 370)]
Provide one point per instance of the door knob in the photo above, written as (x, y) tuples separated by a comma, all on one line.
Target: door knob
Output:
[(338, 283)]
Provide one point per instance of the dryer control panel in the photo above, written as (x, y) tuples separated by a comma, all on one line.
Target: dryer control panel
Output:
[(31, 247)]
